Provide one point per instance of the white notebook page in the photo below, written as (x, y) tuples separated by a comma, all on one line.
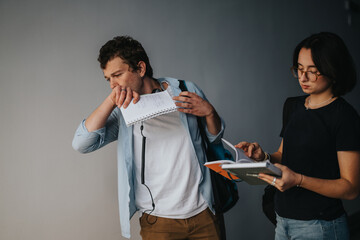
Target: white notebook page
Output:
[(149, 106)]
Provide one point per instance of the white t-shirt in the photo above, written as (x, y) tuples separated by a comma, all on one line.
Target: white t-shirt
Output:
[(172, 171)]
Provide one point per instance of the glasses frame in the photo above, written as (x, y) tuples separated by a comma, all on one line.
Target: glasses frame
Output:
[(294, 71)]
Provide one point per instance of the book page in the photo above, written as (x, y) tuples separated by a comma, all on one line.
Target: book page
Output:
[(149, 106), (240, 156), (220, 161)]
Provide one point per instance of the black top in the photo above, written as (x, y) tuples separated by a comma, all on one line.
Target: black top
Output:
[(311, 139)]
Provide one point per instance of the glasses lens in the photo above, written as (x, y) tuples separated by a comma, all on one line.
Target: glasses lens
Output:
[(311, 76)]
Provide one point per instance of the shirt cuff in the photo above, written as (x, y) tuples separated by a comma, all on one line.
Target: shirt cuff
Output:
[(216, 138), (84, 133)]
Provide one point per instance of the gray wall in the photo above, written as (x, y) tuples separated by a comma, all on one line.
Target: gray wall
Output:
[(239, 52)]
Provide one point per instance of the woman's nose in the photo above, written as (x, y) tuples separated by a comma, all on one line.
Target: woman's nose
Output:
[(303, 76)]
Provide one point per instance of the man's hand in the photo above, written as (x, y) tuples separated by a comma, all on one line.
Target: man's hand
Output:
[(192, 103), (123, 96)]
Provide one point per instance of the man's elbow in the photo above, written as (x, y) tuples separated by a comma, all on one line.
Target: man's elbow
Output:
[(78, 147)]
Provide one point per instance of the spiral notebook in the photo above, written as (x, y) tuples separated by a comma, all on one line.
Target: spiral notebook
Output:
[(149, 106)]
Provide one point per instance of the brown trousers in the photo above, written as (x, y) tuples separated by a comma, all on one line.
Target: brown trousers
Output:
[(202, 226)]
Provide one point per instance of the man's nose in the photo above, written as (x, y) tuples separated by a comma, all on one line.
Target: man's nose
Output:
[(112, 83)]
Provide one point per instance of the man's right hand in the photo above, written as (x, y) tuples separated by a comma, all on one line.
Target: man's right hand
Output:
[(123, 96)]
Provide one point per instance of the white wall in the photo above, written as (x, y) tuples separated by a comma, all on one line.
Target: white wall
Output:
[(239, 52)]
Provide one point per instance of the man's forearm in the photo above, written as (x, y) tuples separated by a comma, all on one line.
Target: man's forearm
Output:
[(213, 123), (97, 119)]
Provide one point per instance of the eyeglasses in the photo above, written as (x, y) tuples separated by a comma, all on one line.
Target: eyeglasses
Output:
[(311, 75)]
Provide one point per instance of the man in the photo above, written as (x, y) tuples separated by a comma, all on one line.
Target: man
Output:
[(174, 194)]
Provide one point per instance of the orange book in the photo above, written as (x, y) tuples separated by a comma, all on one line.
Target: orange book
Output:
[(217, 167), (243, 167)]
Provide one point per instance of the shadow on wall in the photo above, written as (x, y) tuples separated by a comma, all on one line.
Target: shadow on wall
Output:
[(354, 225), (353, 11)]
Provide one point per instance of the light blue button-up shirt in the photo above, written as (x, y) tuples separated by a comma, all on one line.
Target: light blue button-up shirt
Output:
[(116, 129)]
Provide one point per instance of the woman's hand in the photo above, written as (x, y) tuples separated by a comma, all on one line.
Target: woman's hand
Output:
[(123, 96), (288, 179), (252, 150)]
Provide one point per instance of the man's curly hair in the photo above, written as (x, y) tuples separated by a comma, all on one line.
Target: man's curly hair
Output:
[(128, 49)]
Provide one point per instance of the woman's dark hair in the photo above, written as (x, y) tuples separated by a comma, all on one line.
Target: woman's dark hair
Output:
[(332, 59), (128, 49)]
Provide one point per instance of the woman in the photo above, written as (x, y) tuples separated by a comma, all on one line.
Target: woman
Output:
[(320, 148)]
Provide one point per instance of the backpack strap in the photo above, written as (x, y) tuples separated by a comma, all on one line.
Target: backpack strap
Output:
[(182, 85)]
